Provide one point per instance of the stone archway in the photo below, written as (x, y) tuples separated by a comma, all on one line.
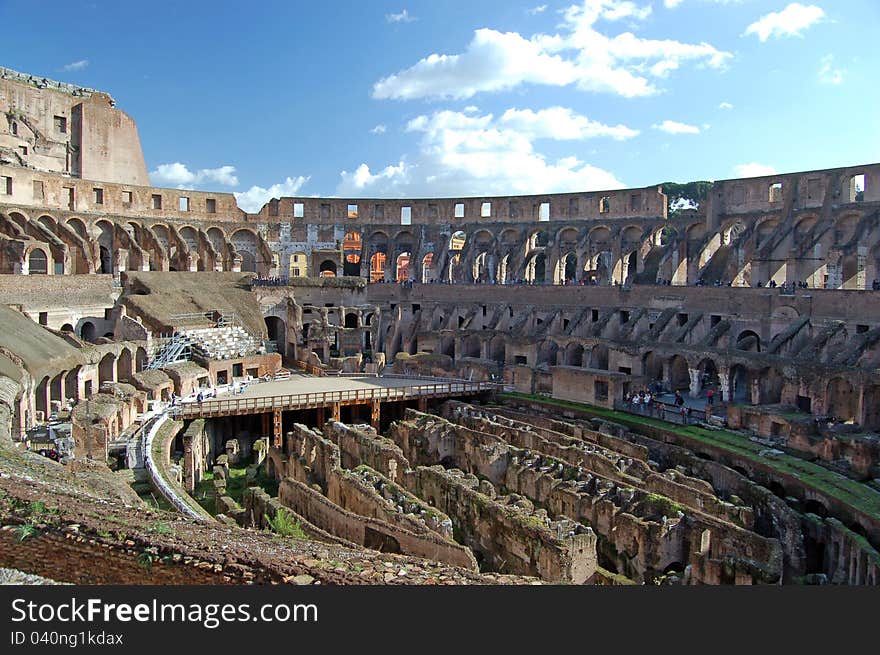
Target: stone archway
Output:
[(276, 328), (841, 400)]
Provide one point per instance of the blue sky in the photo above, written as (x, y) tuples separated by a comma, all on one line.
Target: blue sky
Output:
[(479, 97)]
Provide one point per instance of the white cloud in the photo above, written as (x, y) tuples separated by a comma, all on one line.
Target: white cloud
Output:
[(254, 198), (562, 124), (725, 105), (403, 17), (75, 65), (179, 175), (379, 129), (674, 127), (791, 21), (672, 4), (466, 153), (534, 11), (753, 169), (827, 73), (388, 178), (580, 55)]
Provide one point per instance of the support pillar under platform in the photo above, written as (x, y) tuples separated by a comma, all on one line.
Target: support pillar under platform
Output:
[(375, 414), (277, 436)]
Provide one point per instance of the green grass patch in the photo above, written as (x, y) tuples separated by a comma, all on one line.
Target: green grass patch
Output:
[(285, 525), (236, 484), (834, 485)]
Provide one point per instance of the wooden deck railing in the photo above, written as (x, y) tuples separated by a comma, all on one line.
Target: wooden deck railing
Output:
[(236, 406)]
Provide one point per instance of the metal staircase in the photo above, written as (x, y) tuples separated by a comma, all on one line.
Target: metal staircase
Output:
[(176, 348)]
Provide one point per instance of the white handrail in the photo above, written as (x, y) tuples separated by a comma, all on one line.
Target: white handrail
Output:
[(156, 476)]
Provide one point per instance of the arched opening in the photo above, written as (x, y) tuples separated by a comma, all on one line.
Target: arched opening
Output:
[(574, 355), (38, 263), (41, 397), (457, 241), (106, 264), (140, 359), (55, 388), (498, 349), (351, 320), (106, 368), (87, 331), (217, 239), (679, 378), (402, 267), (123, 366), (248, 262), (597, 269), (813, 506), (842, 400), (547, 353), (538, 239), (749, 341), (277, 332), (351, 251), (740, 385), (377, 267), (327, 268), (67, 327), (599, 357), (770, 383), (652, 365), (71, 384), (566, 269), (709, 378), (872, 408), (428, 268), (245, 243), (536, 269), (77, 226), (470, 346)]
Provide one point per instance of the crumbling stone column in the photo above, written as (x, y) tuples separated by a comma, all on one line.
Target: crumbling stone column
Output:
[(724, 383), (696, 382)]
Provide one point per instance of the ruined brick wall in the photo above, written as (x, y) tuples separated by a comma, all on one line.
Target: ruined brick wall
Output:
[(362, 446), (66, 557), (369, 532), (508, 540), (198, 453)]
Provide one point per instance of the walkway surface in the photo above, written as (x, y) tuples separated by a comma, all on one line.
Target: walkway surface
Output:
[(305, 391)]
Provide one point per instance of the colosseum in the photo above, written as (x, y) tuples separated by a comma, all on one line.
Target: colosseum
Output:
[(670, 385)]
